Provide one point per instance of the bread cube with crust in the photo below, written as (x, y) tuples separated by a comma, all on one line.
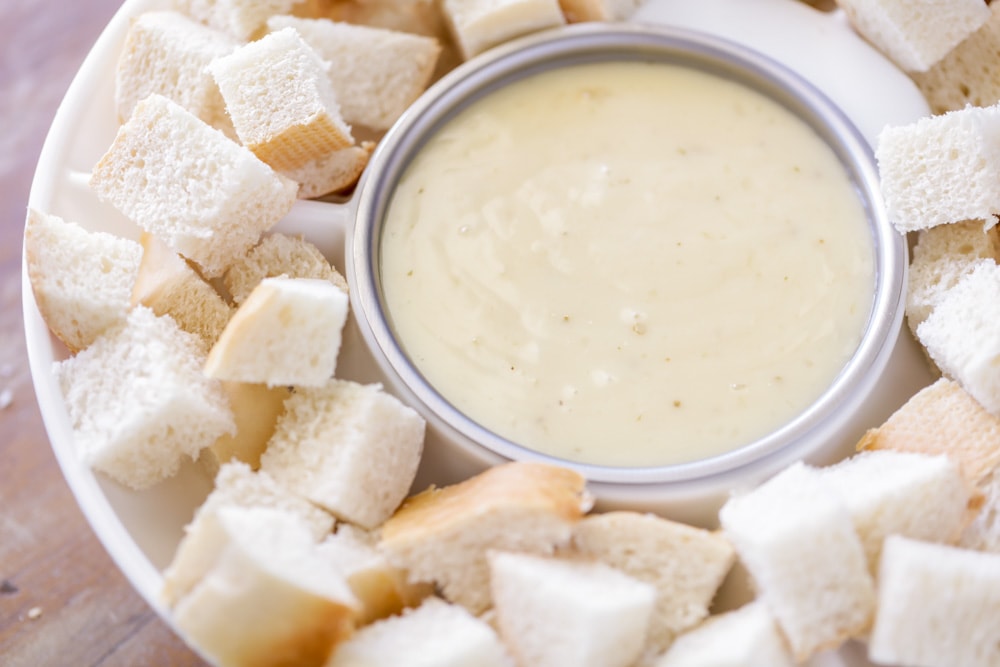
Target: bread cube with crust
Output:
[(477, 25), (279, 255), (599, 10)]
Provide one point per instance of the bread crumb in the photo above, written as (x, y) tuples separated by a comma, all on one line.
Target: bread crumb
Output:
[(34, 613)]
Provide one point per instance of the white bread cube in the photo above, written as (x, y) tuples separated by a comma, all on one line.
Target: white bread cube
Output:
[(333, 172), (349, 448), (80, 279), (797, 540), (477, 25), (967, 75), (242, 19), (983, 533), (376, 73), (918, 33), (138, 401), (168, 53), (436, 634), (281, 101), (554, 612), (941, 169), (256, 408), (962, 335), (277, 255), (443, 535), (599, 10), (943, 419), (267, 597), (937, 606), (167, 285), (236, 485), (686, 565), (942, 256), (381, 589), (287, 332), (900, 493), (207, 197), (747, 637)]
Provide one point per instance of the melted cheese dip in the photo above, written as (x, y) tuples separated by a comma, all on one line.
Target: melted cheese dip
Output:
[(627, 264)]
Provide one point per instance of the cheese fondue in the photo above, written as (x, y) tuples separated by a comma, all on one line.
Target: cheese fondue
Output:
[(627, 264)]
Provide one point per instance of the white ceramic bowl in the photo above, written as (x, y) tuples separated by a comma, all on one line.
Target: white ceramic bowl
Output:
[(140, 530)]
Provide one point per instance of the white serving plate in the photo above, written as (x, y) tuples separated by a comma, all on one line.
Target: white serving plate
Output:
[(140, 530)]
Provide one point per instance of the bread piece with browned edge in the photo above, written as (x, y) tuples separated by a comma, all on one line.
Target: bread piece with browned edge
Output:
[(332, 173), (279, 255), (477, 25), (267, 597), (443, 534), (599, 10), (685, 564), (937, 606), (915, 35), (80, 279), (138, 402), (203, 194), (169, 286), (236, 485), (797, 540), (352, 449)]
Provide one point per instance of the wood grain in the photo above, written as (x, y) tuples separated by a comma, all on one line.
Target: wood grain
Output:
[(62, 600)]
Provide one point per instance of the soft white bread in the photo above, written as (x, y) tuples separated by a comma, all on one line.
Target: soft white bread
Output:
[(686, 565), (287, 332), (242, 19), (256, 408), (599, 10), (381, 589), (138, 401), (943, 419), (962, 335), (554, 612), (937, 606), (983, 533), (281, 101), (167, 285), (349, 448), (236, 485), (967, 75), (477, 25), (267, 598), (797, 540), (942, 256), (915, 34), (206, 196), (168, 53), (279, 255), (376, 73), (443, 535), (436, 634), (81, 279), (941, 169), (899, 493), (333, 172), (746, 637)]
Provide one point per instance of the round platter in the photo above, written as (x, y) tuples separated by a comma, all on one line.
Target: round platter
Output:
[(141, 530)]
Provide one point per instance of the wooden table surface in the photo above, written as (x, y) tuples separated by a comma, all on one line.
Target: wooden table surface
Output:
[(62, 600)]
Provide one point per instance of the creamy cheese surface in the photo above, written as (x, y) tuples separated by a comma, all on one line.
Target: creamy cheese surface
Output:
[(627, 264)]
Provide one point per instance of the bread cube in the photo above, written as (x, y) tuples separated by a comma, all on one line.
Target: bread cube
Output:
[(138, 401), (554, 612), (287, 332), (283, 106), (937, 605), (941, 169), (962, 335), (243, 19), (599, 10), (333, 172), (376, 73), (168, 53), (686, 565), (798, 542), (351, 449), (915, 34), (436, 634), (443, 535), (204, 195), (477, 25), (279, 255), (80, 279)]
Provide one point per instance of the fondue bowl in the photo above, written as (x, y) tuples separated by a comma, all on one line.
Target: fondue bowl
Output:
[(693, 489)]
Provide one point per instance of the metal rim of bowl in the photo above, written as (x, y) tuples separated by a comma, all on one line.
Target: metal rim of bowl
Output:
[(582, 43)]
